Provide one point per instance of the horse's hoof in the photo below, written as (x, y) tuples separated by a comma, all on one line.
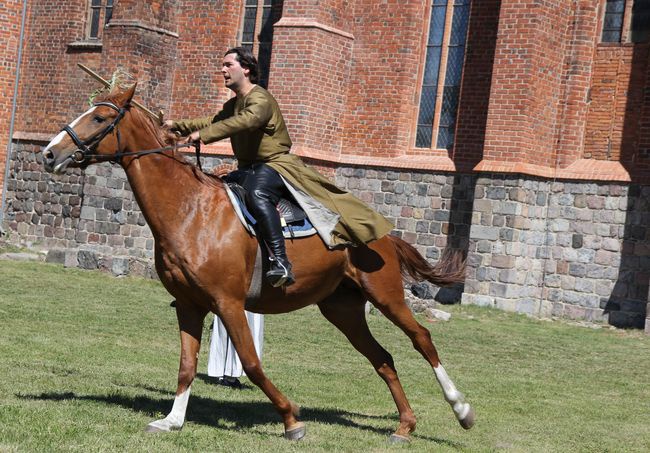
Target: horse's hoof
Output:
[(154, 429), (468, 421), (297, 432), (397, 439), (162, 426)]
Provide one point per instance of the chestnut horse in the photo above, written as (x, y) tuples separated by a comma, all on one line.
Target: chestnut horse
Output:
[(205, 259)]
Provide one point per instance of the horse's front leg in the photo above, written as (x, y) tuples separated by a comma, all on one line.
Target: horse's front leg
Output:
[(234, 319), (190, 323)]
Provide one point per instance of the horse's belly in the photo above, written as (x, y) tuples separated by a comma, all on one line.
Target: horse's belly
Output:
[(317, 276)]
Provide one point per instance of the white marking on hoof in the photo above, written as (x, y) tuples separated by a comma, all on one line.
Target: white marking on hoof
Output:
[(455, 399), (468, 421), (461, 409), (175, 419), (164, 425)]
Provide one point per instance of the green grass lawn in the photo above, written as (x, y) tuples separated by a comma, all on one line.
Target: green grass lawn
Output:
[(88, 360)]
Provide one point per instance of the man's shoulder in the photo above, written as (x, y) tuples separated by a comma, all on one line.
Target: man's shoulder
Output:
[(259, 92)]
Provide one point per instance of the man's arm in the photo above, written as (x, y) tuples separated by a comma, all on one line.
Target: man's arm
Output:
[(186, 127), (255, 115)]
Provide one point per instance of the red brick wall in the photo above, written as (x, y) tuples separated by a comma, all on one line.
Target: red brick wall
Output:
[(141, 38), (11, 12), (310, 69), (526, 84), (619, 114), (537, 89), (52, 89), (578, 65), (642, 154), (198, 84), (475, 90), (382, 88)]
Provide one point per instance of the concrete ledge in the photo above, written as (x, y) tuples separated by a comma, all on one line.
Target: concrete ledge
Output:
[(582, 169), (21, 256), (300, 22), (118, 266)]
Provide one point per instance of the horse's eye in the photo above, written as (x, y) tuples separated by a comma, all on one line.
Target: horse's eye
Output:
[(99, 119)]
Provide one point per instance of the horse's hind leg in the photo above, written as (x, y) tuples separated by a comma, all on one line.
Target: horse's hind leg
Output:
[(345, 309), (190, 323), (391, 303)]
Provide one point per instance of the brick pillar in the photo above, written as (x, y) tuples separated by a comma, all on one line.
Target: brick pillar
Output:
[(310, 65), (142, 38), (528, 84), (11, 10)]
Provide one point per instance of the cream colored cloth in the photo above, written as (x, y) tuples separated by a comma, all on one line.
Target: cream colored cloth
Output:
[(222, 357)]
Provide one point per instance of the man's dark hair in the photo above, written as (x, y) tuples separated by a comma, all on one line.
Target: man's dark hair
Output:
[(247, 60)]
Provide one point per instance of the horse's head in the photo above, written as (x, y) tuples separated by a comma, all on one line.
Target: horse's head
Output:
[(91, 136)]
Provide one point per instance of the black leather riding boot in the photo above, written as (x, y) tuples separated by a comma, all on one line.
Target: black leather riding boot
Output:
[(270, 227), (264, 187)]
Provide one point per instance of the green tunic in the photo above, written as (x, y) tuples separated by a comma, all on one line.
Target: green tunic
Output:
[(258, 133)]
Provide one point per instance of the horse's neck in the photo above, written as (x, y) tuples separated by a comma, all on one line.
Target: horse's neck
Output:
[(166, 189)]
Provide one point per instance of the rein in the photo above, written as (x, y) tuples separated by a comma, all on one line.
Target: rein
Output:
[(86, 148)]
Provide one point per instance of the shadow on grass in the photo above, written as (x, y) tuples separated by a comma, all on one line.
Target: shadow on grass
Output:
[(224, 414)]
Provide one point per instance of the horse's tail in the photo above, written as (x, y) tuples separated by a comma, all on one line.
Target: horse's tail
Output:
[(449, 269)]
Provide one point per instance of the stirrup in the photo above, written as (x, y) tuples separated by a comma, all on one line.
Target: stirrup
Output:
[(280, 275)]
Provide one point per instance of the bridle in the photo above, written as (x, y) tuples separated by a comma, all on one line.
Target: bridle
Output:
[(87, 149)]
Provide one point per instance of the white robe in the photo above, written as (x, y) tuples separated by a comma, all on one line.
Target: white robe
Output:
[(222, 357)]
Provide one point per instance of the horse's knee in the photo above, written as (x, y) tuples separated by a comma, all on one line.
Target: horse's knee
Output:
[(387, 370), (422, 338), (253, 370), (424, 335)]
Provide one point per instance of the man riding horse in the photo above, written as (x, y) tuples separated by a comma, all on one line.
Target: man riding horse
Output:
[(260, 141)]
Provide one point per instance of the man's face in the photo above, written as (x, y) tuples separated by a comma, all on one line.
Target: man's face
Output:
[(234, 75)]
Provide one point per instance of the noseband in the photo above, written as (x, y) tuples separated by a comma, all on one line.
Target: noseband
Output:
[(87, 148)]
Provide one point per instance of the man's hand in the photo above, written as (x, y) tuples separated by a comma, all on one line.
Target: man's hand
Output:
[(194, 137)]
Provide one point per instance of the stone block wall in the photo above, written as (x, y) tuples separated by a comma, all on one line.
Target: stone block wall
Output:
[(558, 248), (10, 12), (544, 248)]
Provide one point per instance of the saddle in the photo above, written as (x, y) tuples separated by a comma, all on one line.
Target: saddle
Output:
[(294, 220), (295, 224)]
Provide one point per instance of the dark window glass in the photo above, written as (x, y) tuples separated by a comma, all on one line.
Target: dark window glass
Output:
[(455, 52), (266, 40), (613, 21), (258, 36), (250, 17), (453, 77), (99, 9), (109, 11), (431, 73), (95, 12), (427, 106), (641, 21)]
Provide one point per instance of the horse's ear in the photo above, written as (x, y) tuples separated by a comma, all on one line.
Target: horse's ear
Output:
[(126, 96)]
